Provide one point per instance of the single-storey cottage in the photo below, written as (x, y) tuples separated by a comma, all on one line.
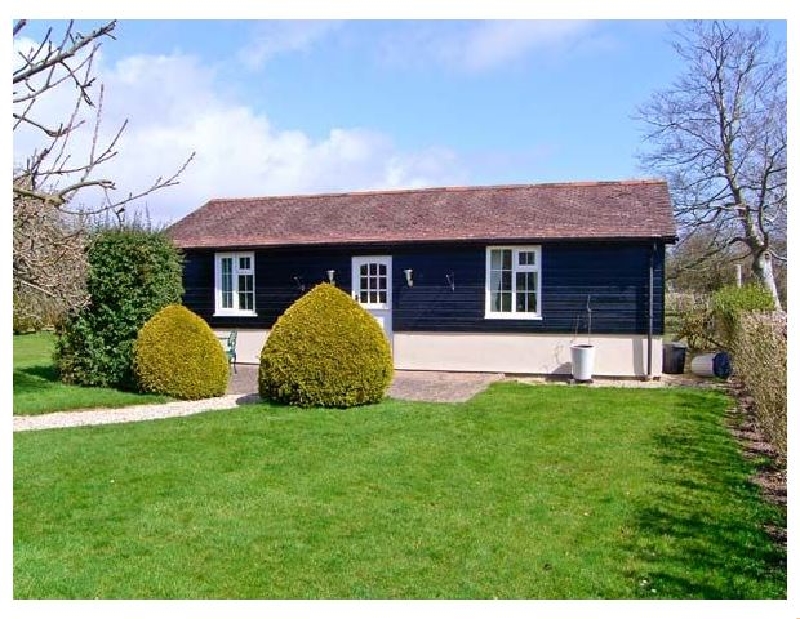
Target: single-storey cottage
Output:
[(494, 279)]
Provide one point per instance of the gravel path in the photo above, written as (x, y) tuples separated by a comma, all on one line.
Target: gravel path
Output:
[(123, 415)]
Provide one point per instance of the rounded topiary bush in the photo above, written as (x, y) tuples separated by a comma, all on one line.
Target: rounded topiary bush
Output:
[(177, 354), (325, 350)]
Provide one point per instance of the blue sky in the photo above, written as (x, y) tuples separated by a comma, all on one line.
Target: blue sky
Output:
[(282, 107)]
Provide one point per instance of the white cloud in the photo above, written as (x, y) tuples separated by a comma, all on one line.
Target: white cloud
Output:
[(483, 45), (272, 38), (176, 106)]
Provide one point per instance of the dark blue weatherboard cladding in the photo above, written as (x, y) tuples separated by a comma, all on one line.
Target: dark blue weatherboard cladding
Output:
[(614, 274)]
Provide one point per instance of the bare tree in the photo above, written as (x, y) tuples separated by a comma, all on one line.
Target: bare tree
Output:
[(49, 257), (719, 136)]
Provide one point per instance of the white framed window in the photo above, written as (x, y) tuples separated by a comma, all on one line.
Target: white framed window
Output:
[(514, 282), (234, 284)]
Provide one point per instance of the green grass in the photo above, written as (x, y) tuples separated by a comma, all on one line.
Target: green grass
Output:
[(37, 389), (522, 492)]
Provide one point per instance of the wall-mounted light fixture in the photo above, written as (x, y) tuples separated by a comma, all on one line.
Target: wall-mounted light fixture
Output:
[(299, 281), (451, 279), (409, 277), (331, 274)]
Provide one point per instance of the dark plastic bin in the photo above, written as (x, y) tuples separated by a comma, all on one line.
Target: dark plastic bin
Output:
[(674, 358)]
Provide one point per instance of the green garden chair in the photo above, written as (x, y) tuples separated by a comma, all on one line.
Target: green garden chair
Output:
[(230, 348)]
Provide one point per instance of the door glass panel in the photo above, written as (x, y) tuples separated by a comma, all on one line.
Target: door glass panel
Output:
[(373, 283)]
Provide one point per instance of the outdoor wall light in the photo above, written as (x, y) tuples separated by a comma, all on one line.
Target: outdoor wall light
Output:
[(299, 281), (331, 273), (451, 279), (409, 277)]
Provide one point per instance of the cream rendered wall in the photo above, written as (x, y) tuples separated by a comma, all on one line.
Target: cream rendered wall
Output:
[(615, 355)]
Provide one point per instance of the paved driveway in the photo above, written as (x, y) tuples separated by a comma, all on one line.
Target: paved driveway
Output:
[(407, 385)]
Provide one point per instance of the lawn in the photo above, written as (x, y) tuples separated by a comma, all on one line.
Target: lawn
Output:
[(37, 388), (522, 492)]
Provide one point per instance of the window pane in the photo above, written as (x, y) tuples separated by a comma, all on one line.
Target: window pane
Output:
[(521, 303), (363, 283), (381, 269), (505, 301), (245, 283), (373, 283), (373, 268), (527, 258), (506, 259), (382, 296), (532, 306), (373, 296), (520, 282), (245, 300), (495, 259), (363, 296), (532, 279), (381, 283), (494, 281), (226, 282), (244, 263), (495, 302), (506, 280)]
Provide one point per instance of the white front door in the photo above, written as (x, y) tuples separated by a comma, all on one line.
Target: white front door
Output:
[(372, 288)]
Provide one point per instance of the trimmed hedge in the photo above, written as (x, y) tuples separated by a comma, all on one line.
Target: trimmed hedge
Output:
[(132, 275), (177, 354), (327, 351), (759, 358)]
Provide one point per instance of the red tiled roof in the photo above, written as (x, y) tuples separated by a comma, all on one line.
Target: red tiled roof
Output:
[(592, 210)]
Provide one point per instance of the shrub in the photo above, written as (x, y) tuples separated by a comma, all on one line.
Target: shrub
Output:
[(694, 321), (325, 350), (132, 275), (728, 304), (759, 358), (177, 354)]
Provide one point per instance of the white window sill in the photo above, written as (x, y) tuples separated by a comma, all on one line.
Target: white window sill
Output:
[(234, 313), (511, 316)]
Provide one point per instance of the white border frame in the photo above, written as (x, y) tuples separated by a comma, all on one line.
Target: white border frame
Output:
[(234, 311), (513, 314)]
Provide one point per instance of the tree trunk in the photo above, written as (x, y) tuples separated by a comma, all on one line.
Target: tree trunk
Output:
[(762, 270)]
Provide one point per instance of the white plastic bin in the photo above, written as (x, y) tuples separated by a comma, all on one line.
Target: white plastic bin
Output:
[(582, 361)]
